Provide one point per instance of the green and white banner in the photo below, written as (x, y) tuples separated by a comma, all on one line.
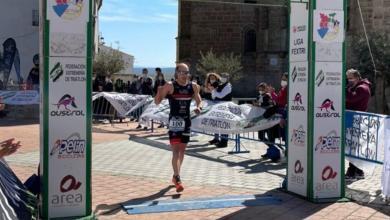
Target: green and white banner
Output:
[(66, 108), (298, 99), (316, 100)]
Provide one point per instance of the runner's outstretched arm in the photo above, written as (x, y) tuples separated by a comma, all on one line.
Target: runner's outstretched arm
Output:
[(197, 98), (162, 92)]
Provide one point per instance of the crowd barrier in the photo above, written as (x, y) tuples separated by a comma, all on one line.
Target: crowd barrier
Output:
[(364, 132)]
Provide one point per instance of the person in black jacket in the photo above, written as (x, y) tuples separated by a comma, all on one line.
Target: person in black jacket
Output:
[(146, 83), (221, 92), (159, 80)]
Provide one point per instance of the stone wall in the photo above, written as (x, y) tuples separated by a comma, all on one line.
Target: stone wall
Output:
[(222, 27), (203, 26)]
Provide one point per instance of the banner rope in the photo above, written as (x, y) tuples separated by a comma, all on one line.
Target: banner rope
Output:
[(367, 40)]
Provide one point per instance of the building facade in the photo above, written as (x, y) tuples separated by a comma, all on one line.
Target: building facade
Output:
[(19, 38), (258, 31)]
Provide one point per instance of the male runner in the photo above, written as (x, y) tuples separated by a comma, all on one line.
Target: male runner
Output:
[(179, 93)]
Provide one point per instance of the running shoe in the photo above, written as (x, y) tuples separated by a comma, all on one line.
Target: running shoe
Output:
[(177, 182)]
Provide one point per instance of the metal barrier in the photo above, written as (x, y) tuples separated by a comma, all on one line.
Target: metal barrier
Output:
[(103, 110), (238, 145)]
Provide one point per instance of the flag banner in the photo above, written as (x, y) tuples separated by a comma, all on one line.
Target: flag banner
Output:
[(365, 136), (25, 97), (218, 117), (15, 200), (124, 103), (386, 162)]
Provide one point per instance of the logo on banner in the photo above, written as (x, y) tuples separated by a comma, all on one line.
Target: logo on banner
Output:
[(298, 136), (64, 106), (299, 28), (68, 196), (297, 103), (70, 148), (73, 72), (294, 74), (297, 177), (68, 9), (320, 78), (56, 72), (328, 173), (331, 78), (329, 26), (329, 144), (328, 107)]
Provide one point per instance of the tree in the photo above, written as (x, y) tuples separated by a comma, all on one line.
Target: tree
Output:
[(380, 48), (210, 62), (107, 62)]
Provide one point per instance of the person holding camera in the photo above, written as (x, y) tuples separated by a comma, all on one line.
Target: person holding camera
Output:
[(221, 90)]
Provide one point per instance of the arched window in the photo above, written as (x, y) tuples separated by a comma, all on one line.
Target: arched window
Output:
[(250, 41)]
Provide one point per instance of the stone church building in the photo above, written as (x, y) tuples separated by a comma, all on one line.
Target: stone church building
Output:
[(258, 31)]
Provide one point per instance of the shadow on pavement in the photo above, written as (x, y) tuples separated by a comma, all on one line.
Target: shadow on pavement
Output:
[(113, 209), (16, 122), (261, 165)]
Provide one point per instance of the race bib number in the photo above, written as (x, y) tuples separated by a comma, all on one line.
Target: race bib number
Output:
[(176, 124)]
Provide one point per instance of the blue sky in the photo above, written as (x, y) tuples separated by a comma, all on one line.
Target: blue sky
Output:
[(142, 28)]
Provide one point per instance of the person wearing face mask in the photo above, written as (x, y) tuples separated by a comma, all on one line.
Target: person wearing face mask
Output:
[(212, 81), (146, 83), (221, 92), (281, 99), (357, 98)]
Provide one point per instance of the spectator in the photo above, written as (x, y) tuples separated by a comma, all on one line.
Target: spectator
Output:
[(212, 81), (221, 92), (108, 87), (7, 148), (119, 85), (146, 83), (33, 76), (357, 97), (135, 86), (268, 136), (159, 80), (1, 85)]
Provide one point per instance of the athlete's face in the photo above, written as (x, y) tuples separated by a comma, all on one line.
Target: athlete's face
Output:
[(182, 73)]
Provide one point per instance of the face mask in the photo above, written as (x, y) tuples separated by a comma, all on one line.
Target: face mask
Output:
[(144, 74), (351, 82), (283, 83), (261, 92), (160, 78), (223, 80), (212, 81)]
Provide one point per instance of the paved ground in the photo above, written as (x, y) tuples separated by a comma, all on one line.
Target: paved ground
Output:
[(133, 165)]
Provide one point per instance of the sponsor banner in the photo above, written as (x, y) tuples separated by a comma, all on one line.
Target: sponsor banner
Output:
[(124, 103), (328, 26), (365, 136), (386, 162), (16, 201), (297, 128), (299, 32), (326, 5), (25, 97), (329, 52), (68, 25), (222, 117), (67, 103), (327, 130)]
